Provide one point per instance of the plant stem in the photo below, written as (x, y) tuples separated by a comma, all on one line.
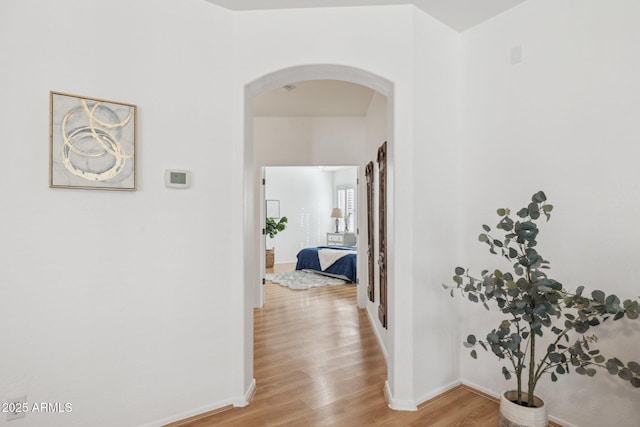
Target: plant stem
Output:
[(532, 361), (532, 352), (544, 365), (518, 366)]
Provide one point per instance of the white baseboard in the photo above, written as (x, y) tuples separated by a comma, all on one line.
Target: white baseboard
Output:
[(238, 402), (397, 404), (248, 395), (482, 389), (392, 402), (188, 414), (437, 392), (372, 322)]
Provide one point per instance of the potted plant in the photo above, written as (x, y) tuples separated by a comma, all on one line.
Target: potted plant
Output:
[(272, 228), (535, 305)]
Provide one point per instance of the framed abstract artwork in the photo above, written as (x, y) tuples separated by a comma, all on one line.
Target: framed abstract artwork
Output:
[(92, 143)]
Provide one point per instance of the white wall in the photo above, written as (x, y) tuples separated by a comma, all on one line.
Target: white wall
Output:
[(565, 121), (119, 302), (377, 134), (434, 202), (345, 176), (305, 195), (308, 141)]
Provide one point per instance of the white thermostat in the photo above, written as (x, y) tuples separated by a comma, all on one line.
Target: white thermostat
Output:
[(175, 178)]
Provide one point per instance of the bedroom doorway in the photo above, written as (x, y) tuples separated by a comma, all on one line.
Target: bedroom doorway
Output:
[(317, 209)]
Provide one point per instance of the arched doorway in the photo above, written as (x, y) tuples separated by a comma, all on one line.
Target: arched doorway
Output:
[(251, 235)]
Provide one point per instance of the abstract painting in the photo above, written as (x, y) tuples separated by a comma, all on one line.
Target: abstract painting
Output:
[(92, 143)]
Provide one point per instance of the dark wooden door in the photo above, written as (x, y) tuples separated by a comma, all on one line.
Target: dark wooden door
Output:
[(369, 174), (382, 236)]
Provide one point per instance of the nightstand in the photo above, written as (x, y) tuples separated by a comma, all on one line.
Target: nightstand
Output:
[(341, 239)]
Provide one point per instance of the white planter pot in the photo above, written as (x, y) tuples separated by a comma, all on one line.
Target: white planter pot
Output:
[(514, 415)]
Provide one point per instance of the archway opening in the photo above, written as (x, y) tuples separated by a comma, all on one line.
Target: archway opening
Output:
[(254, 210)]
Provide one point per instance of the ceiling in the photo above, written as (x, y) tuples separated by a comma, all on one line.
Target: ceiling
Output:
[(314, 98), (457, 14)]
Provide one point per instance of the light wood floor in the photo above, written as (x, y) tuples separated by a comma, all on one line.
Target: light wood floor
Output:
[(317, 363)]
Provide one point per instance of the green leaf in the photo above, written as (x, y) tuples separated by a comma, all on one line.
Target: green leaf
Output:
[(523, 213), (547, 208), (506, 373), (554, 377), (614, 361), (555, 357), (635, 367), (474, 354), (501, 212), (598, 296), (612, 300), (483, 237), (625, 374), (459, 271), (539, 197), (471, 339), (579, 290), (493, 338), (486, 228), (506, 224)]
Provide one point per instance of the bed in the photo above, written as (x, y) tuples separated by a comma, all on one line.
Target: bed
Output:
[(334, 261)]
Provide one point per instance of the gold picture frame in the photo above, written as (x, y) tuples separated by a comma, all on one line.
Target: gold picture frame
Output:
[(92, 143)]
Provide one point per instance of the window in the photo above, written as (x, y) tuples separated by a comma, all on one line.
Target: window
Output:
[(347, 202)]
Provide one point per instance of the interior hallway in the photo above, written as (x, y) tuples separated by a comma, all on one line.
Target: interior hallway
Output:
[(317, 363)]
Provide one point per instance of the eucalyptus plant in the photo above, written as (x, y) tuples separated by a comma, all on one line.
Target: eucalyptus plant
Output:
[(536, 304), (273, 227)]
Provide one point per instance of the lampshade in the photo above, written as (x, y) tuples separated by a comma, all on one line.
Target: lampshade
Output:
[(336, 213)]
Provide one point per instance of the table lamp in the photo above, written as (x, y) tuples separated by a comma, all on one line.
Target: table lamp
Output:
[(337, 214)]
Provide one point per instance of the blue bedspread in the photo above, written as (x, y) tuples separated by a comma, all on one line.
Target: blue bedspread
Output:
[(345, 266)]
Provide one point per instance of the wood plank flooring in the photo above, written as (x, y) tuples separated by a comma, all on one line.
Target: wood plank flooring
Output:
[(317, 363)]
